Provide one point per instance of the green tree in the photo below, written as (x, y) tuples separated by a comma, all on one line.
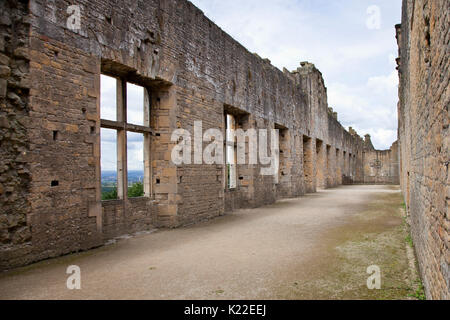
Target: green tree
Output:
[(136, 190), (110, 195)]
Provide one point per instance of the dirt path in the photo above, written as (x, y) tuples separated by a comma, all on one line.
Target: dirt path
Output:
[(315, 247)]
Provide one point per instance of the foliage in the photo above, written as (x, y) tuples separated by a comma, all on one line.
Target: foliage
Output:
[(409, 240), (110, 195), (135, 191), (420, 292)]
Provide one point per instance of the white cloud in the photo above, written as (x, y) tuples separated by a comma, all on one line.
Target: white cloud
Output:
[(333, 35), (384, 84), (376, 116), (108, 150), (108, 98)]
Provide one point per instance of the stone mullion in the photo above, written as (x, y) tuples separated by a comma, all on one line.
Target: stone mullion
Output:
[(122, 174), (147, 147), (225, 165)]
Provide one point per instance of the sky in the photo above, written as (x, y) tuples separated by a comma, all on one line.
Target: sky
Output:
[(352, 42)]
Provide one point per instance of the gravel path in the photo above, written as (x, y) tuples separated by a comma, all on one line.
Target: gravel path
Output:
[(250, 254)]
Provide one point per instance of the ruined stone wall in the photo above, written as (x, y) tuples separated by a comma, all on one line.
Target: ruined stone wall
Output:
[(423, 39), (381, 166), (193, 72), (15, 210)]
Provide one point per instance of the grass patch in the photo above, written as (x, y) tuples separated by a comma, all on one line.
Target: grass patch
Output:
[(374, 236), (409, 241), (404, 206), (419, 294)]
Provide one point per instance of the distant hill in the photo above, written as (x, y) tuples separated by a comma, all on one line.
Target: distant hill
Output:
[(110, 177)]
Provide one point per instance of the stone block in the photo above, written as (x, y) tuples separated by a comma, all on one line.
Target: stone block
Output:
[(166, 188), (4, 123), (5, 71), (169, 172), (3, 87), (167, 210), (72, 128), (4, 60), (22, 53)]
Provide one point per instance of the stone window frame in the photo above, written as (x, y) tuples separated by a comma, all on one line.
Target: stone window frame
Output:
[(121, 126), (241, 121), (328, 161), (308, 162)]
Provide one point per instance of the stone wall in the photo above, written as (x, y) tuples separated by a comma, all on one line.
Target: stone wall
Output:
[(381, 166), (15, 206), (423, 39), (193, 71)]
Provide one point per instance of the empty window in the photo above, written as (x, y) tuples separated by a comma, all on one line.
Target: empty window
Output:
[(344, 164), (125, 137), (231, 150), (328, 172), (308, 164)]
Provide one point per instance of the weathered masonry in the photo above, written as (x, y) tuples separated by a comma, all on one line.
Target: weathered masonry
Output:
[(423, 39), (51, 120)]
